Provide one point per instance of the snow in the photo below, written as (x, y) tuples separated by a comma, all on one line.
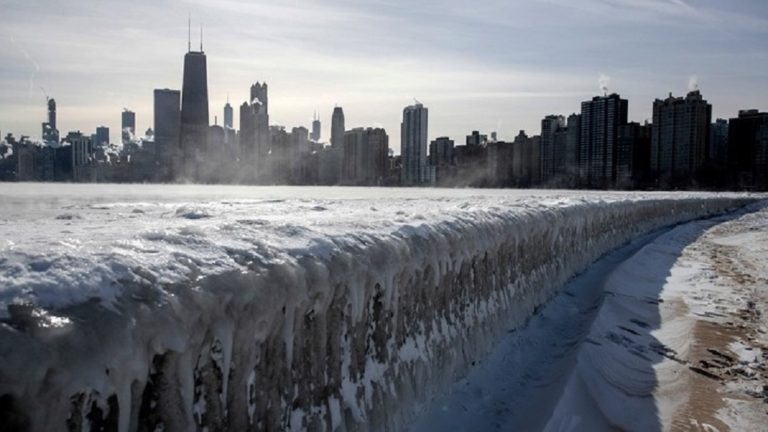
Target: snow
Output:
[(662, 334), (518, 385), (345, 307), (666, 340)]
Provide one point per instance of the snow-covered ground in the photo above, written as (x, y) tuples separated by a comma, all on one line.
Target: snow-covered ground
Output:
[(274, 307), (667, 333)]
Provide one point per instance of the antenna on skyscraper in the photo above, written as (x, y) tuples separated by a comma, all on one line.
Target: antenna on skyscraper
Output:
[(201, 38), (189, 33)]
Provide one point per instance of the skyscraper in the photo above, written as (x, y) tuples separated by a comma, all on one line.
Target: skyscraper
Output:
[(333, 163), (248, 149), (167, 121), (50, 133), (128, 125), (194, 111), (298, 152), (718, 141), (551, 154), (748, 148), (680, 137), (52, 113), (260, 95), (413, 142), (441, 152), (315, 135), (255, 141), (499, 164), (365, 156), (600, 121), (572, 145), (476, 139), (337, 127), (633, 155), (102, 136), (228, 116), (521, 155)]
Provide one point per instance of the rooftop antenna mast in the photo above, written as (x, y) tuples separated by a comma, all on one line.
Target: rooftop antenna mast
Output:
[(201, 38), (189, 33)]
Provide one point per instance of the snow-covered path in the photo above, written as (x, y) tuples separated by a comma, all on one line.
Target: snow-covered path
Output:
[(662, 334)]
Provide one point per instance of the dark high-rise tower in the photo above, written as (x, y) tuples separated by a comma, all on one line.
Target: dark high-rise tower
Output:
[(228, 116), (128, 125), (254, 135), (413, 145), (718, 141), (680, 137), (260, 96), (748, 149), (337, 128), (194, 111), (551, 153), (50, 133), (52, 113), (102, 136), (167, 115), (167, 130), (600, 121), (315, 135)]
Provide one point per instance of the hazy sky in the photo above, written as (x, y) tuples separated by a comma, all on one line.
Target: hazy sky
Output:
[(488, 65)]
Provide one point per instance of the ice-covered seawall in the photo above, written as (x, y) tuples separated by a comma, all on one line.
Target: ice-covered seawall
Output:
[(332, 330)]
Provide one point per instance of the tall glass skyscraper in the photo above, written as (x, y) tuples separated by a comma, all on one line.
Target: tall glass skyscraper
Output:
[(194, 112), (337, 128), (413, 145)]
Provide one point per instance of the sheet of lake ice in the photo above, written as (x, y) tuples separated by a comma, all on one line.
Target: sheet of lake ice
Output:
[(259, 307)]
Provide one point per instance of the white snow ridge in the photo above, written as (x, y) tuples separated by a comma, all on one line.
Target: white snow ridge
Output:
[(182, 308)]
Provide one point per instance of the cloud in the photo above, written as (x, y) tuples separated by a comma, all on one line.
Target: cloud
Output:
[(512, 60)]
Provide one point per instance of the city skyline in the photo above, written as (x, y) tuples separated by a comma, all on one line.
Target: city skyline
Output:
[(470, 80)]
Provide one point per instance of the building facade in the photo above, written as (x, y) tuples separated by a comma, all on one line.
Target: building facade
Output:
[(413, 143), (552, 147), (229, 115), (194, 115), (102, 136), (316, 128), (680, 138), (633, 156), (50, 132), (718, 142), (167, 122), (600, 121), (128, 125), (748, 149)]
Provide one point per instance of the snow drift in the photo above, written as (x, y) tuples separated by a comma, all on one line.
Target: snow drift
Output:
[(329, 324)]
